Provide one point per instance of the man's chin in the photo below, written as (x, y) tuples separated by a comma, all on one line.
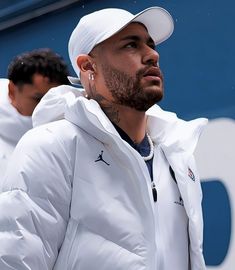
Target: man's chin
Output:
[(145, 105), (155, 88)]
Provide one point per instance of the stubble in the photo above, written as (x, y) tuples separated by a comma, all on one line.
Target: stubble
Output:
[(126, 90)]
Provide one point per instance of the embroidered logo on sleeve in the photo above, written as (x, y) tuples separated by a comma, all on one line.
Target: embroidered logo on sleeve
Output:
[(191, 174)]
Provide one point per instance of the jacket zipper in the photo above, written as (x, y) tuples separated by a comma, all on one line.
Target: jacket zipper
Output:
[(154, 191), (130, 156)]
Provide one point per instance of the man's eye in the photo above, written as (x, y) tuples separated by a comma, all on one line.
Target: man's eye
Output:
[(131, 45)]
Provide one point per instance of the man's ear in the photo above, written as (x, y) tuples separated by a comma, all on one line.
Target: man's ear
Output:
[(12, 91), (85, 63)]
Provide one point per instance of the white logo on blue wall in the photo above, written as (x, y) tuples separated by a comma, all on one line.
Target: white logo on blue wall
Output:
[(215, 158)]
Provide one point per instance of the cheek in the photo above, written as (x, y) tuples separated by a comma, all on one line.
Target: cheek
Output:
[(130, 66), (128, 63)]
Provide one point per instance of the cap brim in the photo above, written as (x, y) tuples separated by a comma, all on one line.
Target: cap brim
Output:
[(158, 21)]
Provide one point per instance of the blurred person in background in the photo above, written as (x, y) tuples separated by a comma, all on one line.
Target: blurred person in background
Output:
[(30, 76)]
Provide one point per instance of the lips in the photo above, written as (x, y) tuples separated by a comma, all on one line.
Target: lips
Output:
[(153, 72)]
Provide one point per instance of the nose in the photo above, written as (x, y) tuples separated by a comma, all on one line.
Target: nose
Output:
[(151, 57)]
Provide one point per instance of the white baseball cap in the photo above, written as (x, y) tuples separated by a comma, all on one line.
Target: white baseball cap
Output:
[(100, 25)]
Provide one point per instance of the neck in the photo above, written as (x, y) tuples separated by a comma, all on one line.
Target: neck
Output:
[(131, 121)]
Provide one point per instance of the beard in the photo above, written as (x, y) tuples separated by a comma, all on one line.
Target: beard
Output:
[(127, 90)]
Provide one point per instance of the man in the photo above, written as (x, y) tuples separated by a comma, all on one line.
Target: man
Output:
[(114, 184), (30, 76)]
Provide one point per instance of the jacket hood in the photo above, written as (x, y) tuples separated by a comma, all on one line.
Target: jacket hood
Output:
[(53, 104), (164, 127), (12, 124), (172, 132), (69, 102)]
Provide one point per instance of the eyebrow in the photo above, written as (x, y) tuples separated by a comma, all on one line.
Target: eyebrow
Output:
[(137, 38)]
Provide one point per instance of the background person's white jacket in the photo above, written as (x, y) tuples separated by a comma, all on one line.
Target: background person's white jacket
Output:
[(62, 209), (12, 126)]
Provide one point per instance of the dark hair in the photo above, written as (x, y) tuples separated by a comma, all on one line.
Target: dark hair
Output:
[(40, 61)]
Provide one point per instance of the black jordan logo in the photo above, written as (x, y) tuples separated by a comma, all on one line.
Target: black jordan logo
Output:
[(100, 158)]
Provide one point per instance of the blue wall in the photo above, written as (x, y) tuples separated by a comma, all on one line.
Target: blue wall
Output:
[(197, 61)]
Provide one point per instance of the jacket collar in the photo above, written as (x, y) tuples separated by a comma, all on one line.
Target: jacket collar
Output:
[(164, 127), (68, 102)]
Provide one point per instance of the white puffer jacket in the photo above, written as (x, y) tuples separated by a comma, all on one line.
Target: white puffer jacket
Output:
[(62, 209), (12, 126)]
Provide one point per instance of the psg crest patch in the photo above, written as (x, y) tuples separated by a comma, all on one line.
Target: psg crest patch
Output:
[(191, 174)]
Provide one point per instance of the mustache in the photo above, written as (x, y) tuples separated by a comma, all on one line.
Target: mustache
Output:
[(143, 71)]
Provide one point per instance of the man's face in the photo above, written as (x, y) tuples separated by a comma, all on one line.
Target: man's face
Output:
[(128, 64), (25, 97)]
